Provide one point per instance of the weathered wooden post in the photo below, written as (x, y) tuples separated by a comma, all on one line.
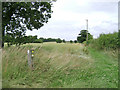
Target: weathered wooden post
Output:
[(32, 55), (30, 58)]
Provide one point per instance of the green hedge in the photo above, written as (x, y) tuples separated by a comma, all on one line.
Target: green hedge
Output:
[(105, 41)]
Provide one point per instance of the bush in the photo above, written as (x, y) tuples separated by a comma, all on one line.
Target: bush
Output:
[(71, 41), (75, 41), (58, 40), (105, 41), (64, 41)]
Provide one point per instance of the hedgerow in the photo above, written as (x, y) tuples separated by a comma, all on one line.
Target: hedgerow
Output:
[(105, 41)]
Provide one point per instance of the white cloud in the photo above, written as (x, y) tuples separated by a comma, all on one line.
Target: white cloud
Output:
[(69, 16)]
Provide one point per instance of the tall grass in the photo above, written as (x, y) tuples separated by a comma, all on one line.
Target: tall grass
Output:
[(58, 65)]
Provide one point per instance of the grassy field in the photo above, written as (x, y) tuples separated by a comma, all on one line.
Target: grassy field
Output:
[(59, 66)]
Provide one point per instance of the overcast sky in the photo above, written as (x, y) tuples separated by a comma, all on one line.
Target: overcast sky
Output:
[(69, 17)]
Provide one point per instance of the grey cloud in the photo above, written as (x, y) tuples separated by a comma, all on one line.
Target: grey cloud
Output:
[(108, 7), (68, 30)]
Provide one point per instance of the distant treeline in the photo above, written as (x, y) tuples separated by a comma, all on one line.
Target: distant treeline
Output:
[(32, 39), (104, 41)]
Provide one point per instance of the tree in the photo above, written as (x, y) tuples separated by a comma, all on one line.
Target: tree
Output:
[(75, 41), (31, 39), (38, 41), (64, 41), (58, 40), (8, 39), (17, 17), (83, 35), (90, 36), (71, 41)]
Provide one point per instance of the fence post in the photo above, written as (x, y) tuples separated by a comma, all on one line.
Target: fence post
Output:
[(32, 55), (30, 58)]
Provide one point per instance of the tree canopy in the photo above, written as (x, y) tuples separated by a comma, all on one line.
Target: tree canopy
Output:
[(71, 41), (17, 17), (58, 40), (64, 41), (75, 41), (83, 35)]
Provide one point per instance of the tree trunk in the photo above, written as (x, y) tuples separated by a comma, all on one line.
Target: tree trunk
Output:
[(3, 34)]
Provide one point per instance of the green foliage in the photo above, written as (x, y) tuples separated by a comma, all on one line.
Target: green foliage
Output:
[(8, 39), (38, 41), (71, 41), (17, 17), (48, 39), (84, 42), (119, 39), (29, 39), (83, 35), (14, 40), (52, 40), (90, 36), (106, 41), (75, 41), (64, 41), (58, 40)]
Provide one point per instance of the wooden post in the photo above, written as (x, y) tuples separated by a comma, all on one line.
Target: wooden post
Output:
[(30, 58), (32, 55)]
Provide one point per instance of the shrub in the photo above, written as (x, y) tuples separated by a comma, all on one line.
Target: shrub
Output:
[(75, 41), (71, 41), (58, 40), (64, 41), (105, 41)]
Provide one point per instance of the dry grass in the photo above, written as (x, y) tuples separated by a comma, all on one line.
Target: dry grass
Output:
[(55, 65)]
